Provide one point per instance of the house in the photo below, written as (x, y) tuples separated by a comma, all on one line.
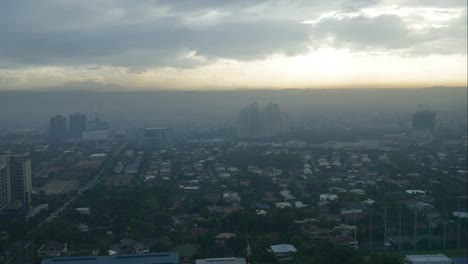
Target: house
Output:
[(83, 227), (345, 240), (283, 205), (315, 232), (232, 198), (344, 229), (221, 261), (283, 252), (128, 246), (368, 201), (261, 212), (460, 214), (53, 249), (427, 259), (83, 249), (83, 210), (328, 197), (422, 206), (352, 208), (287, 196), (415, 192), (358, 191), (140, 248), (224, 236), (299, 204)]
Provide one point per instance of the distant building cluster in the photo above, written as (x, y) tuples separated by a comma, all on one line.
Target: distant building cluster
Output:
[(15, 181), (78, 127), (265, 122)]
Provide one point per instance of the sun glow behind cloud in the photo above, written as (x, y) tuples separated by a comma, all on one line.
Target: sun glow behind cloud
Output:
[(322, 68), (203, 45)]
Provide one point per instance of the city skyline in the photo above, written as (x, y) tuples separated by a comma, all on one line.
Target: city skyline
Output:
[(218, 45)]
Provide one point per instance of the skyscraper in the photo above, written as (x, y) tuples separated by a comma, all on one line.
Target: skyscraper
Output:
[(5, 188), (15, 179), (20, 174), (77, 124), (58, 127), (248, 125), (266, 122), (157, 136), (423, 126)]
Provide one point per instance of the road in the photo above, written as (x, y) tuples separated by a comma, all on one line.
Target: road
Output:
[(22, 246), (96, 179)]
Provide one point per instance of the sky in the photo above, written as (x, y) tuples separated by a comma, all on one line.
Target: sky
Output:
[(214, 44)]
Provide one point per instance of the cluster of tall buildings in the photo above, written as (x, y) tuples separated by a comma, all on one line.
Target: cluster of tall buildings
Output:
[(78, 127), (264, 122), (15, 180)]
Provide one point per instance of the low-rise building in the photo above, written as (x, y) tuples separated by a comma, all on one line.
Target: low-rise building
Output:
[(53, 249), (283, 252), (328, 197), (154, 258), (427, 259)]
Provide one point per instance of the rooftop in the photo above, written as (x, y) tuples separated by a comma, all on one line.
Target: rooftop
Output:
[(156, 258), (221, 261), (439, 258), (283, 248)]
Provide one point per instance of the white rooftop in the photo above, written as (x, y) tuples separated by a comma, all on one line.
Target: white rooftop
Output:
[(426, 259), (283, 248)]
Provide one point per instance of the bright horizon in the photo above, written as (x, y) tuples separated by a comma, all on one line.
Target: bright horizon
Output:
[(219, 45)]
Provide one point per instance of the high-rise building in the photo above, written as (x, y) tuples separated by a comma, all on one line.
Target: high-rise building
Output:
[(77, 124), (249, 122), (96, 130), (423, 126), (15, 179), (155, 136), (266, 122), (20, 174), (5, 188), (58, 127)]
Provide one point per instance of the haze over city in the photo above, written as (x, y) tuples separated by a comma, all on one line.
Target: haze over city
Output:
[(233, 132), (215, 45)]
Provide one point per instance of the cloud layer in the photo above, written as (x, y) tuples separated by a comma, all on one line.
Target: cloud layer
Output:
[(121, 38)]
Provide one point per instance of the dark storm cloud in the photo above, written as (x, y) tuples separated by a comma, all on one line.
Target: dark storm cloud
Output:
[(154, 44)]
